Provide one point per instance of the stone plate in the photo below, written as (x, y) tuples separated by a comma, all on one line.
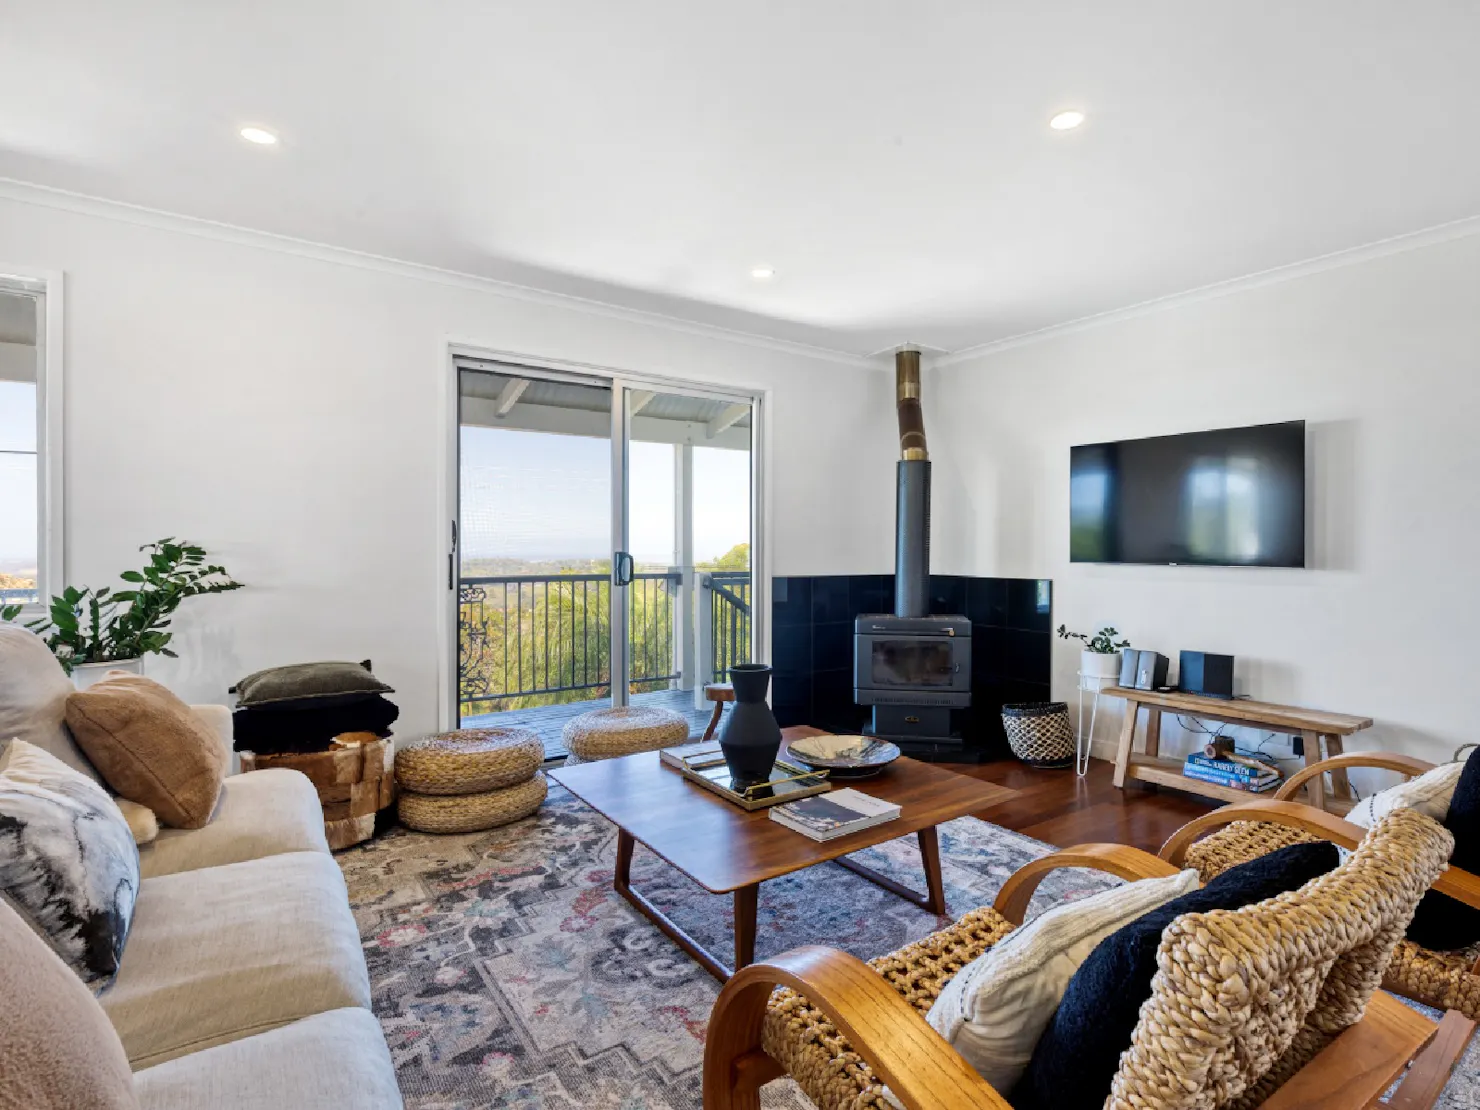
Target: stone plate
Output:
[(844, 757)]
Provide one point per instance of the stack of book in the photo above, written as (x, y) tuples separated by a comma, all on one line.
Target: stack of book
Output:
[(1238, 772), (838, 813)]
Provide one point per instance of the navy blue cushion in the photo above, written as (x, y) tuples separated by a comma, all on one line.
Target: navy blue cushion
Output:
[(1442, 923), (1076, 1057)]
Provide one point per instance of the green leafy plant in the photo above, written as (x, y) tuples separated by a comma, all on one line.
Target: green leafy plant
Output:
[(107, 625), (1101, 643)]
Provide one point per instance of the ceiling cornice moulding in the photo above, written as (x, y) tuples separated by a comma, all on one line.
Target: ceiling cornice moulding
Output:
[(25, 192), (1349, 256)]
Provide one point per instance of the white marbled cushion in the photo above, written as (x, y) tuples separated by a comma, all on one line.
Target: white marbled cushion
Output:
[(68, 863)]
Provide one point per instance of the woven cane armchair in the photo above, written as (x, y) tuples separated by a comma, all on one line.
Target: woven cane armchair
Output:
[(1263, 1006), (1444, 980)]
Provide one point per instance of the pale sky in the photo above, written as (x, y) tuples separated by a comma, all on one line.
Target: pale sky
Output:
[(17, 475), (532, 495)]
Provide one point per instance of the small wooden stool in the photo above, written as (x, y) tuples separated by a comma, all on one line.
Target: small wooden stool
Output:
[(719, 693)]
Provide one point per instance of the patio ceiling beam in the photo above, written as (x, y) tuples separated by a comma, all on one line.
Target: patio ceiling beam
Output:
[(639, 400), (725, 419), (509, 396)]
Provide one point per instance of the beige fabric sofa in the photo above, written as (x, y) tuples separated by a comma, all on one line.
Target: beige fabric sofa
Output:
[(243, 982)]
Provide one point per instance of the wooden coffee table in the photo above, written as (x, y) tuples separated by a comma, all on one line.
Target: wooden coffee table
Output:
[(728, 850)]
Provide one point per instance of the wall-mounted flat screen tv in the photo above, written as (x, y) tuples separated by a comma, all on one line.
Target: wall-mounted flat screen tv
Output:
[(1230, 497)]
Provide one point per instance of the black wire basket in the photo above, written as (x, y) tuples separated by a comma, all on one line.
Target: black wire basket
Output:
[(1039, 733)]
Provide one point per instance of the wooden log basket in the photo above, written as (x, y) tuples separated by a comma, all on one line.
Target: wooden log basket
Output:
[(354, 778)]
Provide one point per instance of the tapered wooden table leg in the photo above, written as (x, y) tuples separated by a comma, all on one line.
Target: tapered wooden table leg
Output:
[(935, 886), (746, 901), (934, 898)]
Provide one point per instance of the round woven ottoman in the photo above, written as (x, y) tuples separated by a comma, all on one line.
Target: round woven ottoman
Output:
[(462, 813), (469, 761), (608, 733)]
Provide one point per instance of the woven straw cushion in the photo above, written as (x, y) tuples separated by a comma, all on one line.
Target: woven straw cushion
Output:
[(1439, 979), (469, 761), (799, 1036), (1239, 843), (608, 733), (460, 813)]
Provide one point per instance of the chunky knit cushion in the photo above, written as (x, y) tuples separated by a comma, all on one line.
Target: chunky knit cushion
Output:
[(995, 1010)]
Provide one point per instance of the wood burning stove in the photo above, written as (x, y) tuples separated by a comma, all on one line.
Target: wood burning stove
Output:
[(911, 667)]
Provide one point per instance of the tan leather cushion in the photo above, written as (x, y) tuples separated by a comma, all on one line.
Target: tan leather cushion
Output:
[(261, 813), (150, 748), (57, 1050), (332, 1061), (223, 953)]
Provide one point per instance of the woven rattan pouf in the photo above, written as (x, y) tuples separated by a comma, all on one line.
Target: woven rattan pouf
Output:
[(608, 733), (462, 813), (469, 761)]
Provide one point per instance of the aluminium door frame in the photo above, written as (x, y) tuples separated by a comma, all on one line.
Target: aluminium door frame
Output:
[(454, 355)]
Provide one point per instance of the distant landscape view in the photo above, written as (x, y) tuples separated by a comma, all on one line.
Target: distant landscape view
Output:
[(534, 600)]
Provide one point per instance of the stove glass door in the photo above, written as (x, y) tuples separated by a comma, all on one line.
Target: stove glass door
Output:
[(911, 663)]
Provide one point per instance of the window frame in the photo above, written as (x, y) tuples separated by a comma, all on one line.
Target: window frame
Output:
[(50, 458)]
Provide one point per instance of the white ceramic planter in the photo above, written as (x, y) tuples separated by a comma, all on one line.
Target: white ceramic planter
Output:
[(1098, 670), (85, 674)]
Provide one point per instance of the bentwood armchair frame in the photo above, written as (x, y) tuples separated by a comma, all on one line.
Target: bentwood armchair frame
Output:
[(925, 1073)]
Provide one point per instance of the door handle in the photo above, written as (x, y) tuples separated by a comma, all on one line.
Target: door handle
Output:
[(622, 569)]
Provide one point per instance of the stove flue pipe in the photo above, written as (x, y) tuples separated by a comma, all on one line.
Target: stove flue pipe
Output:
[(912, 494)]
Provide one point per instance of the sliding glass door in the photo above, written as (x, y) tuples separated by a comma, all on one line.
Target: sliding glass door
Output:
[(604, 541)]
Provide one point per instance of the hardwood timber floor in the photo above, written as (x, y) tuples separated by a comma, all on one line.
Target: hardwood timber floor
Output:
[(1063, 809)]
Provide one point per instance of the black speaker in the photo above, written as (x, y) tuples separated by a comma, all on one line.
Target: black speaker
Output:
[(1151, 670), (1202, 672)]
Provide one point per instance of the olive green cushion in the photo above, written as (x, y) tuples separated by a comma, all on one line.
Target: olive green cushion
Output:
[(305, 685)]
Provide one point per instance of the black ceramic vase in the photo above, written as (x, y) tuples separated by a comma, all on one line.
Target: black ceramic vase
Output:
[(750, 737)]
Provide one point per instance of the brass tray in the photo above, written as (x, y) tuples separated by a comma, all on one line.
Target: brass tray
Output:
[(789, 781)]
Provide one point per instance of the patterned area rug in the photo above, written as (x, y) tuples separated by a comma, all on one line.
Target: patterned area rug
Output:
[(507, 972)]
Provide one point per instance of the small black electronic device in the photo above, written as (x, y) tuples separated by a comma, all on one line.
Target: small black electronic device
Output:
[(1202, 672), (1151, 670)]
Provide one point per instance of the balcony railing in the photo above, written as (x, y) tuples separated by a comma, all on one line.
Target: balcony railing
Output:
[(729, 620), (526, 640)]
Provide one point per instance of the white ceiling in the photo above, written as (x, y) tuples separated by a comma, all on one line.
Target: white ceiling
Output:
[(891, 160)]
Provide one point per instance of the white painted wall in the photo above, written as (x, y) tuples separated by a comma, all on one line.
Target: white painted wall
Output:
[(285, 412), (1382, 358)]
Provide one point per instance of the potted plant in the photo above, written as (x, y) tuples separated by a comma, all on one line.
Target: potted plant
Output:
[(95, 631), (1099, 661)]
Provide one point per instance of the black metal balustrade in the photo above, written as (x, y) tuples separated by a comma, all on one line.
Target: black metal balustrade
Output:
[(729, 620), (526, 640)]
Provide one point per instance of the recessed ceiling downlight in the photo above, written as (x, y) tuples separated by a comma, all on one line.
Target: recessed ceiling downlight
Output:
[(762, 273), (1066, 121), (259, 135)]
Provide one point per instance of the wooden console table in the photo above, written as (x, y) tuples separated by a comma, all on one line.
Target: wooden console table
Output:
[(1313, 726)]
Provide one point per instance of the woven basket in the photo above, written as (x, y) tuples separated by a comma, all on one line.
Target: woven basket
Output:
[(1039, 733), (469, 761), (461, 813)]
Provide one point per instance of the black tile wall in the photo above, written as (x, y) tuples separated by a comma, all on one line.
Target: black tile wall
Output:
[(812, 646)]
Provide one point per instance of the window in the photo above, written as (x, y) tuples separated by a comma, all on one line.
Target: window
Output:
[(30, 476)]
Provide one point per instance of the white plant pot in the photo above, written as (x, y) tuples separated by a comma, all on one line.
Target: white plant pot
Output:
[(1098, 670), (85, 674)]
